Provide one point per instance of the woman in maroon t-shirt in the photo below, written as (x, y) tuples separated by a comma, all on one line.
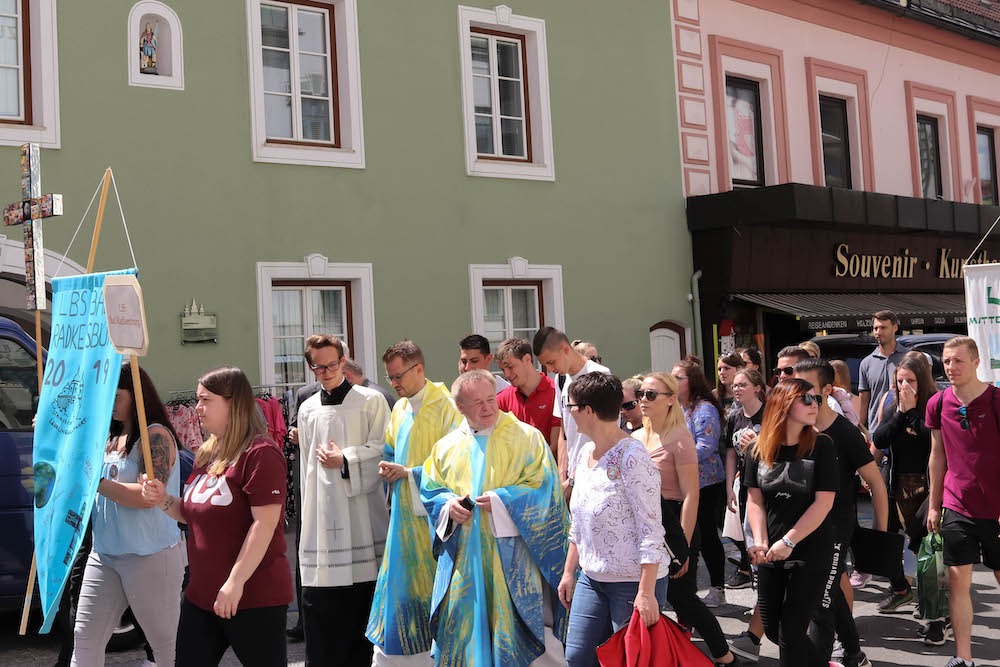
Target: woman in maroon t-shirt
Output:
[(240, 582)]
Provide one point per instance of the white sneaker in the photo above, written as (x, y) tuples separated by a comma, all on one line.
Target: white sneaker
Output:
[(716, 597)]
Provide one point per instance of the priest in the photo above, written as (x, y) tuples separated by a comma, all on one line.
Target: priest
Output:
[(344, 518), (492, 489), (399, 624)]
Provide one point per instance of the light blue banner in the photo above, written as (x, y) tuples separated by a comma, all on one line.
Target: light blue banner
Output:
[(71, 429)]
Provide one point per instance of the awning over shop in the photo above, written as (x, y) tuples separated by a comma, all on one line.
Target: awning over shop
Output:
[(853, 312)]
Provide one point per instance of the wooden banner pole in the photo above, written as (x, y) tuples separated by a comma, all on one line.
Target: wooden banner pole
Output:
[(140, 409), (32, 571)]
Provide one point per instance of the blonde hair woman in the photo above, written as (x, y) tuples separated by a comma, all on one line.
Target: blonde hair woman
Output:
[(670, 444), (240, 582)]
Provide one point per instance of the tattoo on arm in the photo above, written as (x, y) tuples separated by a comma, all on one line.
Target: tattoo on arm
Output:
[(168, 503), (159, 451)]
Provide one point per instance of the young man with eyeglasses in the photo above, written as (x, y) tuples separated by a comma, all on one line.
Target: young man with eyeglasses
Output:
[(474, 354), (399, 624), (344, 517), (853, 456), (554, 352), (530, 395), (965, 481)]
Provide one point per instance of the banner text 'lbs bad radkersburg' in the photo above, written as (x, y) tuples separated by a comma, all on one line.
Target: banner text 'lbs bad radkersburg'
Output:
[(71, 428)]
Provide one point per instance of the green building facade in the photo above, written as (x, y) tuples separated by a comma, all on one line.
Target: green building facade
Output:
[(372, 168)]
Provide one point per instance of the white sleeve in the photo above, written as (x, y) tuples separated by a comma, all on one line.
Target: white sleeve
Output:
[(418, 504), (501, 525), (362, 460), (445, 526), (557, 403)]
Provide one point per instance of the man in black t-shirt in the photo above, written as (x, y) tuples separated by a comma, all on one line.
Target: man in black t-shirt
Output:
[(854, 457)]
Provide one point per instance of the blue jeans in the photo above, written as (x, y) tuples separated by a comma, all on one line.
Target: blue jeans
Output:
[(599, 610)]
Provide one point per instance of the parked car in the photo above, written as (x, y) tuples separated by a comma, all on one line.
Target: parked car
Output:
[(852, 348), (18, 404)]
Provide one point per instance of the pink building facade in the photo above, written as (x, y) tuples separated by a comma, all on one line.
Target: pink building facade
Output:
[(885, 113)]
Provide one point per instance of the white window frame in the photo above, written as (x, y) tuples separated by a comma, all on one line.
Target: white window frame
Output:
[(761, 73), (319, 267), (495, 115), (295, 52), (849, 93), (44, 129), (173, 49), (351, 153), (305, 293), (518, 268), (939, 112), (508, 304), (22, 105), (542, 164)]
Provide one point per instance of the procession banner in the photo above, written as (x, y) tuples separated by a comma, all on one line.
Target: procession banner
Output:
[(71, 428), (982, 313)]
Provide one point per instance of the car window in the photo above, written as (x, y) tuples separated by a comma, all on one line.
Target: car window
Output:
[(935, 351), (18, 386)]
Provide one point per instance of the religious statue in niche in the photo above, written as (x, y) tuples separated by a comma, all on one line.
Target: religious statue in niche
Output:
[(147, 49)]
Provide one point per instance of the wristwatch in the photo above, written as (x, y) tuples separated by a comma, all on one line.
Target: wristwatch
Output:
[(788, 542)]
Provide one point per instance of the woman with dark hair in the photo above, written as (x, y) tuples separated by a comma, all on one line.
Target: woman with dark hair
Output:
[(137, 559), (792, 475), (240, 583), (704, 413), (728, 367), (751, 359), (902, 430)]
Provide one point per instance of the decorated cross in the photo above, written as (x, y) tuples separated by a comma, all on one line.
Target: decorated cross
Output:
[(33, 207)]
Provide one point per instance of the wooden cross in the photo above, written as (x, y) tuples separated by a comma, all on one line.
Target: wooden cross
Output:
[(30, 211)]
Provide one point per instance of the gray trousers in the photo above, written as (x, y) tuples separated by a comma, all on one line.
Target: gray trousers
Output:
[(151, 585)]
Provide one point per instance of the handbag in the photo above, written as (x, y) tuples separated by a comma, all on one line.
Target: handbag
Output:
[(877, 552)]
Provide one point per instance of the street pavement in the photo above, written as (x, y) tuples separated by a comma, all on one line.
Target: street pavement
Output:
[(886, 639)]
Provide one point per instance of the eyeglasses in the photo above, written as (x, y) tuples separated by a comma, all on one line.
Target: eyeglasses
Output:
[(787, 370), (740, 385), (596, 359), (809, 399), (399, 376), (650, 395), (630, 405), (964, 421), (320, 368), (578, 406)]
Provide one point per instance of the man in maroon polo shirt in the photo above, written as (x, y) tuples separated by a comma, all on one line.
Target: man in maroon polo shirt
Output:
[(531, 394)]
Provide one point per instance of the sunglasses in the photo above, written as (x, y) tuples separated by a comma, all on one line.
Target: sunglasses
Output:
[(787, 370), (963, 412), (650, 395), (809, 399), (630, 405), (595, 359)]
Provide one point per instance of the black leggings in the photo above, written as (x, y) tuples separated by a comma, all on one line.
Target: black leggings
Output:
[(682, 594), (257, 637), (833, 613), (788, 594), (711, 504)]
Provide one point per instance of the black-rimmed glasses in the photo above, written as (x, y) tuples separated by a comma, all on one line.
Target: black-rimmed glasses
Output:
[(320, 368), (578, 406)]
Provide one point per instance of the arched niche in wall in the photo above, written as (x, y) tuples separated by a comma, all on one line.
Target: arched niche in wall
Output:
[(155, 46)]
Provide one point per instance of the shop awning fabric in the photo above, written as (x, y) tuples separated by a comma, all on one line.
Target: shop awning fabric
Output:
[(853, 312)]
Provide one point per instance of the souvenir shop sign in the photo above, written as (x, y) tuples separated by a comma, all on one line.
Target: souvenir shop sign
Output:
[(74, 410), (126, 315)]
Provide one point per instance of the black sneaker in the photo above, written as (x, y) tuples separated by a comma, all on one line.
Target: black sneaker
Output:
[(295, 634), (938, 632), (893, 601), (739, 580)]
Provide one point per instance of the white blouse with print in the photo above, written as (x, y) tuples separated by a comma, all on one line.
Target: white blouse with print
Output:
[(615, 511)]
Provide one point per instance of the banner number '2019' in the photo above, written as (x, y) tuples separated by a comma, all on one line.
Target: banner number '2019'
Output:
[(58, 373)]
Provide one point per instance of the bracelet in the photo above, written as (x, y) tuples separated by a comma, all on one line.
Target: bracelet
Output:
[(788, 542)]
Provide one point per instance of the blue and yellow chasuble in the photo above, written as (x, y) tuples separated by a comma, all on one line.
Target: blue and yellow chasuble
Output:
[(489, 592), (400, 616)]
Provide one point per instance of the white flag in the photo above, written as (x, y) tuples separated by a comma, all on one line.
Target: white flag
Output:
[(982, 311)]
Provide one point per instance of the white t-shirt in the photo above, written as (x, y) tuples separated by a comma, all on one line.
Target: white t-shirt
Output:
[(574, 439)]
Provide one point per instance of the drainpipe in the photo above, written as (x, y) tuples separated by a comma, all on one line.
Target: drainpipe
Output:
[(695, 298)]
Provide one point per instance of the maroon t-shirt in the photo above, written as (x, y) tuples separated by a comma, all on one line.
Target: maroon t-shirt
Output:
[(217, 511), (973, 454)]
